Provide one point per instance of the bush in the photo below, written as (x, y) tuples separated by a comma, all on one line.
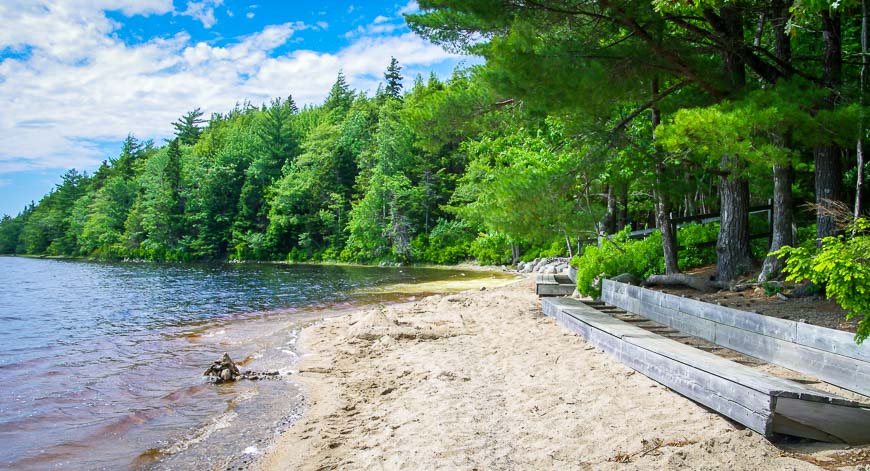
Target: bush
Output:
[(641, 258), (447, 243), (492, 249), (842, 266), (689, 236)]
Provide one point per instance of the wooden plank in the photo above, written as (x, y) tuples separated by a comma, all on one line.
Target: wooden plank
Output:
[(846, 424), (825, 353), (745, 405), (829, 367), (831, 340)]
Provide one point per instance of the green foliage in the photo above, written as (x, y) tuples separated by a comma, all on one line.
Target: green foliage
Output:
[(616, 256), (491, 249), (449, 242), (690, 237), (842, 266), (771, 289)]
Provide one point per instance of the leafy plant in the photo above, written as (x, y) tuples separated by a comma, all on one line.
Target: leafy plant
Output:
[(616, 256), (842, 265)]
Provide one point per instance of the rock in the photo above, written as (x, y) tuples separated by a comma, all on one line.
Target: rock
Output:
[(528, 268), (805, 290), (520, 266), (627, 278), (483, 288), (223, 370), (782, 296)]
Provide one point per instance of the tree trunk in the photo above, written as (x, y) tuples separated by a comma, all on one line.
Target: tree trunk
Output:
[(827, 157), (732, 246), (622, 207), (859, 182), (662, 202), (568, 243), (783, 175), (609, 223), (783, 217)]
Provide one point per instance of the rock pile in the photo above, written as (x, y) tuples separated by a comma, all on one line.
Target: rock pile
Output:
[(544, 265)]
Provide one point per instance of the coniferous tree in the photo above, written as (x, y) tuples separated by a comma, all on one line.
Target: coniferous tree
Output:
[(393, 76), (188, 127)]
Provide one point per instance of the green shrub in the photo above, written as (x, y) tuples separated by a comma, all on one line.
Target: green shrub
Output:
[(492, 249), (842, 266), (616, 256), (689, 236), (447, 243)]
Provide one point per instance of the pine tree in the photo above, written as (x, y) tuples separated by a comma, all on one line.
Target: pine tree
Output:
[(393, 76), (340, 96), (187, 128)]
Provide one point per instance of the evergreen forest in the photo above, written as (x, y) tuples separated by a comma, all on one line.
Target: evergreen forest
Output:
[(586, 119)]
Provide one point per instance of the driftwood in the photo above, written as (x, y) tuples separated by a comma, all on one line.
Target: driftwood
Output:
[(696, 282), (226, 371), (681, 279)]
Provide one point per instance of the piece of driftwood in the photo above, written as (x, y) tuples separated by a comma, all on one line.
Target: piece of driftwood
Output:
[(762, 402), (680, 279), (828, 354)]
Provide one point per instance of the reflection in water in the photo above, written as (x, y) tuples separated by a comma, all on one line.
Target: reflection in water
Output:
[(102, 362)]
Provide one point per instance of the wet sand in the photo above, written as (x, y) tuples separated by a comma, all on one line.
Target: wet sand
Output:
[(481, 380)]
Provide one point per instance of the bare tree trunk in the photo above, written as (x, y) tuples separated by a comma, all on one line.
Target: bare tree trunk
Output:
[(609, 222), (783, 176), (568, 243), (622, 207), (662, 202), (827, 157), (783, 218), (859, 183), (732, 246)]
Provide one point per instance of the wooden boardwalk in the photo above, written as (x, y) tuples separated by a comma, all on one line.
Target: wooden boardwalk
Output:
[(761, 402)]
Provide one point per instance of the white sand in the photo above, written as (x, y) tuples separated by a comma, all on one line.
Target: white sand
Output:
[(480, 380)]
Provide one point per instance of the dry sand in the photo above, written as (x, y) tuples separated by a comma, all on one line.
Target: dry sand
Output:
[(480, 380)]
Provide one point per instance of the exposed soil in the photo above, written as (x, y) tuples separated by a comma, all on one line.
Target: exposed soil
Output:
[(814, 310)]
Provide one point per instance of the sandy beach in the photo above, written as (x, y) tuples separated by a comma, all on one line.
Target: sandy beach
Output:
[(481, 380)]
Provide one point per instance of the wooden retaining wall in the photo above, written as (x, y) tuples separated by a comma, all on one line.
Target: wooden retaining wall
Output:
[(828, 354), (763, 403)]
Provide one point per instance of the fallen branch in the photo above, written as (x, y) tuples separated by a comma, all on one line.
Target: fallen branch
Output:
[(681, 279)]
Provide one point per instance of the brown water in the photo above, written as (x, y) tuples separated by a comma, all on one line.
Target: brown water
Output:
[(102, 363)]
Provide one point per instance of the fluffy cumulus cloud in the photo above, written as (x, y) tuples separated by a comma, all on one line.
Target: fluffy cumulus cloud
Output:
[(203, 11), (69, 85)]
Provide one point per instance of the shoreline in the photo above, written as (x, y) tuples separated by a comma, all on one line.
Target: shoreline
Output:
[(467, 265), (480, 379)]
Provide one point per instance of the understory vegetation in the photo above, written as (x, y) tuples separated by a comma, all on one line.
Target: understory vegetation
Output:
[(584, 119)]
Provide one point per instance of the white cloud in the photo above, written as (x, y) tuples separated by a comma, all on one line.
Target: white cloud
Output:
[(410, 7), (249, 15), (322, 25), (81, 87), (202, 11)]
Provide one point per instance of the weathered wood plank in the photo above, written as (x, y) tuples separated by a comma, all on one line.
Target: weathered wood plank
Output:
[(846, 424), (828, 354), (749, 407), (836, 369), (744, 394)]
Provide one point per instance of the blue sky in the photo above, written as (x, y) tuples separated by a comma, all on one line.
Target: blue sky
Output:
[(77, 75)]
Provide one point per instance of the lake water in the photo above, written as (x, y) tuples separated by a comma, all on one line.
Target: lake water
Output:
[(102, 363)]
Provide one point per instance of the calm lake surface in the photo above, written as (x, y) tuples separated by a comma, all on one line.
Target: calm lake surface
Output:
[(101, 363)]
